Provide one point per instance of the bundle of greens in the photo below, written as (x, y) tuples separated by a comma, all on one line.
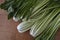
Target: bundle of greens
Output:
[(42, 17)]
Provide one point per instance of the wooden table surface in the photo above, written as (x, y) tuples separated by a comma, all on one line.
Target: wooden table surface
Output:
[(8, 29)]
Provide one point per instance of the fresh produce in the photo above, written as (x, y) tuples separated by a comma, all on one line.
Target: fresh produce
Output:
[(41, 17), (24, 26), (41, 26), (49, 29)]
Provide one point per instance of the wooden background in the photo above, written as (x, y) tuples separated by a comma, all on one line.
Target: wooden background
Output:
[(8, 29)]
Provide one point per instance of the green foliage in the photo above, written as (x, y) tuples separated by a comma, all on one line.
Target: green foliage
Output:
[(42, 17)]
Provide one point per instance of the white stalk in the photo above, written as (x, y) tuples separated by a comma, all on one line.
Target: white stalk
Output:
[(16, 19), (24, 26)]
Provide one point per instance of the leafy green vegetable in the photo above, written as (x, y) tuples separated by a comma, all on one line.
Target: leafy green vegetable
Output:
[(42, 17), (24, 26)]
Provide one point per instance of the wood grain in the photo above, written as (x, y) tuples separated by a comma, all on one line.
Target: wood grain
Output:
[(8, 29)]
